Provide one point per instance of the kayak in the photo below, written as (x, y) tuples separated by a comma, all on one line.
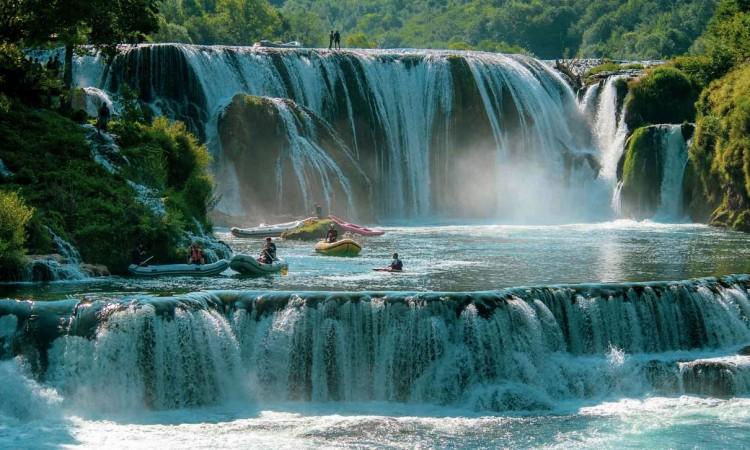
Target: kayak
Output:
[(251, 266), (357, 229), (344, 247), (266, 230), (388, 269), (193, 270)]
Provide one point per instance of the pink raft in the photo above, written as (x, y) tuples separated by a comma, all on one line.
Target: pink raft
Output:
[(354, 228)]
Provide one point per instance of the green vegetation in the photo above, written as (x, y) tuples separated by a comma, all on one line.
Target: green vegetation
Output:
[(97, 211), (720, 153), (641, 174), (218, 21), (312, 230), (664, 95), (72, 23), (14, 217), (622, 29)]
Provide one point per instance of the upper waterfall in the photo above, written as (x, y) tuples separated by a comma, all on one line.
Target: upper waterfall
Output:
[(437, 133)]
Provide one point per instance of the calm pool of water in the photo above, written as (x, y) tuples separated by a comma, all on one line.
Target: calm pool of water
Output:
[(466, 258)]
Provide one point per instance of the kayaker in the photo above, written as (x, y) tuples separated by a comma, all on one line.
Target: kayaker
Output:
[(332, 235), (195, 254), (396, 264)]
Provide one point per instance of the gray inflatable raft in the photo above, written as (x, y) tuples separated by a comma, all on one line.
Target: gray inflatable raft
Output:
[(176, 270), (250, 266)]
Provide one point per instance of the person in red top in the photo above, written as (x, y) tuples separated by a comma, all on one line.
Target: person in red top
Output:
[(195, 254)]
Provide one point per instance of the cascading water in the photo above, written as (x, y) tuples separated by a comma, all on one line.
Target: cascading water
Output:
[(674, 154), (393, 109), (308, 159), (610, 128), (517, 349)]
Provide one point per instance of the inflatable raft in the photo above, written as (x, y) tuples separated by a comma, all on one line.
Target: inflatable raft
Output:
[(354, 228), (176, 270), (344, 247), (250, 266), (266, 230)]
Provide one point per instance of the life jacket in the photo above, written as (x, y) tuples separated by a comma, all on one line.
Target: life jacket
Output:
[(195, 253)]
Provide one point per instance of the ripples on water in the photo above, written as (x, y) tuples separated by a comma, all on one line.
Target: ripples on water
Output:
[(447, 258), (469, 258)]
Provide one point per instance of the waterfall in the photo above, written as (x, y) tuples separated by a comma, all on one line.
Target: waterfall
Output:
[(308, 158), (515, 349), (609, 126), (674, 157), (395, 110)]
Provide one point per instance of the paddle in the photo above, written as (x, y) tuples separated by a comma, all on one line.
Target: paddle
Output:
[(147, 260)]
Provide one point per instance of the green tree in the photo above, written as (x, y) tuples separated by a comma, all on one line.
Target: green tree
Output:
[(14, 216), (102, 23), (359, 40)]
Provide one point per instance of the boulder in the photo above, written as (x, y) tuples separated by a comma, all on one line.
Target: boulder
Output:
[(312, 230)]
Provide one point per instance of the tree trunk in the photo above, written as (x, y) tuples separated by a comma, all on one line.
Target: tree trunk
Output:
[(68, 76)]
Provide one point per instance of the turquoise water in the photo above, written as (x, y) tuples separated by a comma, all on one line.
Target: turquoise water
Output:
[(39, 414), (467, 258)]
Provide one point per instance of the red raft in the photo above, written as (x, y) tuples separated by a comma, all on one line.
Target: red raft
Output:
[(357, 229)]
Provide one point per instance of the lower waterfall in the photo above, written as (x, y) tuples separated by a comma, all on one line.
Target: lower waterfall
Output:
[(515, 349)]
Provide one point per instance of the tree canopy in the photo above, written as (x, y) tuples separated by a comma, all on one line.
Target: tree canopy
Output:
[(621, 29)]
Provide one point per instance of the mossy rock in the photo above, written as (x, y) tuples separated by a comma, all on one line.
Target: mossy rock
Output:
[(641, 174), (312, 230), (664, 94), (720, 150)]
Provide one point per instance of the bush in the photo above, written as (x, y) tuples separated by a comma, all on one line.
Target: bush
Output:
[(166, 156), (14, 216), (93, 209), (664, 94)]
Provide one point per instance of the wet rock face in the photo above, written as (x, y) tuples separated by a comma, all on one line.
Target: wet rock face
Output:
[(286, 159), (722, 377)]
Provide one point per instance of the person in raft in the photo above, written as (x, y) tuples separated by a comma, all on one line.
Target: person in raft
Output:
[(139, 255), (396, 264), (268, 254), (332, 235), (195, 254)]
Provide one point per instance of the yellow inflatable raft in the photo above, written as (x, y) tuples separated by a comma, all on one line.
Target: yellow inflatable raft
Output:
[(344, 247)]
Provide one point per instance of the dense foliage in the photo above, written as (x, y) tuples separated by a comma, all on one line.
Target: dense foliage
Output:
[(72, 23), (97, 211), (721, 148), (664, 95), (625, 29), (14, 217)]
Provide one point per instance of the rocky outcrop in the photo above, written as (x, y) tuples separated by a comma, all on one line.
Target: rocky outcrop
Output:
[(285, 159)]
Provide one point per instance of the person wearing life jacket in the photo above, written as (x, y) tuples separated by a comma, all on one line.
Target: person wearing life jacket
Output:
[(396, 264), (268, 254), (332, 235), (195, 254)]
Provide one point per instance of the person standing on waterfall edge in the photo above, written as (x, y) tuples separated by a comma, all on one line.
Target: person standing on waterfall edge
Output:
[(337, 40), (331, 40)]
